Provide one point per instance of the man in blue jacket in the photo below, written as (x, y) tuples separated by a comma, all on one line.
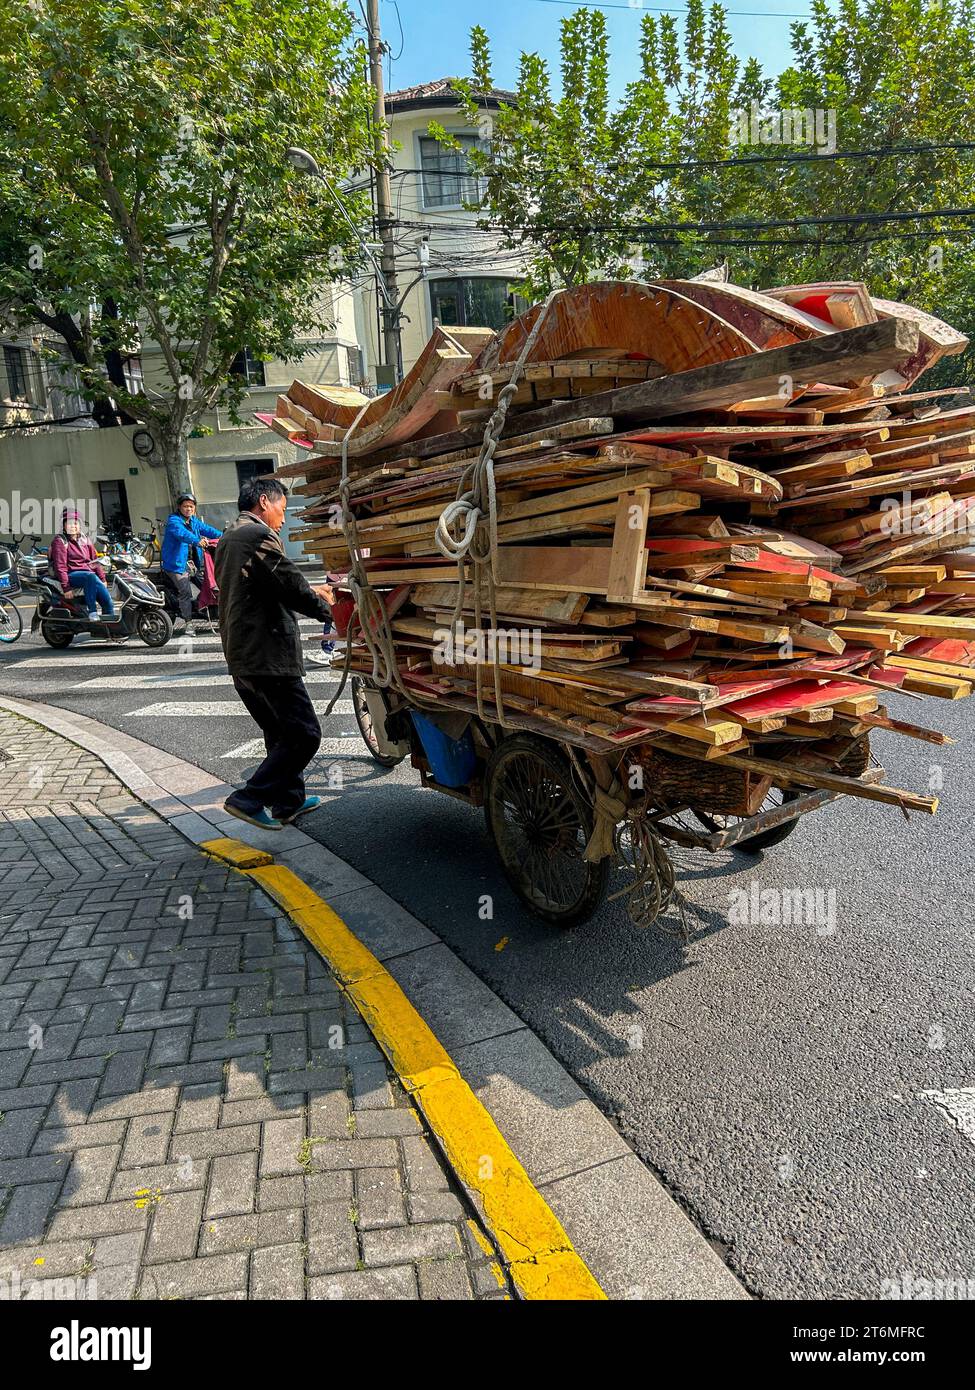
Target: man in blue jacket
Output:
[(184, 531)]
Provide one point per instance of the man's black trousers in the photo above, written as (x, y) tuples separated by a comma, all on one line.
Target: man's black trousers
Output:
[(179, 587), (286, 716)]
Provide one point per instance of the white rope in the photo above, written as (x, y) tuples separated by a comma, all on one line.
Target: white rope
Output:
[(458, 534), (476, 501)]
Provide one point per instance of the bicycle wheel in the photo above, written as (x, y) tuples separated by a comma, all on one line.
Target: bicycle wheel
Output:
[(363, 718), (765, 839), (11, 621)]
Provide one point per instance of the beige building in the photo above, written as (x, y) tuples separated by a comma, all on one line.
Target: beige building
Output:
[(464, 279), (469, 280), (50, 448), (222, 453)]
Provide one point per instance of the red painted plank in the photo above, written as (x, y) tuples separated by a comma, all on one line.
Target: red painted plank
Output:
[(799, 695)]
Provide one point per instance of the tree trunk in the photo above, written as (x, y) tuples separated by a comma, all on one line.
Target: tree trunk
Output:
[(175, 456)]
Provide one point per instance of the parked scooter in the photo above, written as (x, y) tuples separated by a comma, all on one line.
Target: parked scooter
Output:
[(29, 564), (124, 557), (139, 608)]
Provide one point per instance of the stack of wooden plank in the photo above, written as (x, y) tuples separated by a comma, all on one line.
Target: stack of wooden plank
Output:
[(727, 523)]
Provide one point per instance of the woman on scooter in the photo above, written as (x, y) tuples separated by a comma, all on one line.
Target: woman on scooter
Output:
[(184, 532), (74, 560)]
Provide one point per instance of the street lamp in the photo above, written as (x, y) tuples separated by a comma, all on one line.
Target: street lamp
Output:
[(307, 164)]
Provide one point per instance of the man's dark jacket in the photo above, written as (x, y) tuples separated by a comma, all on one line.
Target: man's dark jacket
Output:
[(260, 591)]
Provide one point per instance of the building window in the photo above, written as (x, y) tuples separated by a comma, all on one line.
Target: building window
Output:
[(132, 373), (446, 176), (246, 365), (475, 301), (15, 364), (248, 469), (67, 402), (354, 371)]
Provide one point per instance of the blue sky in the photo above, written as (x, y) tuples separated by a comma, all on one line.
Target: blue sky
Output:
[(435, 34)]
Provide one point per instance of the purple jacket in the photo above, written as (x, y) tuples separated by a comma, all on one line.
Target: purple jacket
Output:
[(67, 553)]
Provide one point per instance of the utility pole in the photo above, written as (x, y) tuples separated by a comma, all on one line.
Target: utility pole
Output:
[(392, 348)]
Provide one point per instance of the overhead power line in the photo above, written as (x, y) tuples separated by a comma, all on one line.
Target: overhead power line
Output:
[(787, 156), (663, 9), (636, 229)]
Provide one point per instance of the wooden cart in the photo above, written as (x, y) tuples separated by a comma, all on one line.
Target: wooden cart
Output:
[(540, 793)]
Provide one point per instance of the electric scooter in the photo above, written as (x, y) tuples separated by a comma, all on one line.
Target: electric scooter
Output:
[(139, 612)]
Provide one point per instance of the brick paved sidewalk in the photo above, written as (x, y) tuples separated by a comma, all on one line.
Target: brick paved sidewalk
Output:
[(189, 1107)]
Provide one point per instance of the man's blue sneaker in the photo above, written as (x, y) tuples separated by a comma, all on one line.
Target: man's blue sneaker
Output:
[(260, 818), (311, 803)]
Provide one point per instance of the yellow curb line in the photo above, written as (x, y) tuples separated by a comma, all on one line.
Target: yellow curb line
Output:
[(539, 1254)]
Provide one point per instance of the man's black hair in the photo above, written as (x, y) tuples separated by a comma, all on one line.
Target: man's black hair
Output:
[(255, 488)]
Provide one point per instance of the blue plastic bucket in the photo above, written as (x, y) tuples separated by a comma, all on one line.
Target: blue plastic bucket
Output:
[(452, 761)]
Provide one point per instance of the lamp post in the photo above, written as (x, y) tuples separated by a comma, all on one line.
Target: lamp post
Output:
[(385, 273)]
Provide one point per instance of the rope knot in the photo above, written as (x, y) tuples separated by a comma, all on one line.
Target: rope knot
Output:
[(611, 807)]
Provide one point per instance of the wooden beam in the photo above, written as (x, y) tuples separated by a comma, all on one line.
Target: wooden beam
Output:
[(628, 561), (579, 568), (871, 348), (786, 774)]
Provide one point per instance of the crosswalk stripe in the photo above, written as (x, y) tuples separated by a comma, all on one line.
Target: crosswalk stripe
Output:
[(117, 656), (346, 745), (212, 709), (163, 680)]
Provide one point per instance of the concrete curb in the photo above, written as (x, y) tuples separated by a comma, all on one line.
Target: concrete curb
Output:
[(632, 1235)]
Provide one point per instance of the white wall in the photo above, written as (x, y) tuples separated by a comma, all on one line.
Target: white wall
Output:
[(484, 252)]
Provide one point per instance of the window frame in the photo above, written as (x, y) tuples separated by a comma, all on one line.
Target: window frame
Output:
[(251, 364), (434, 280), (461, 133), (13, 351), (257, 463), (355, 365)]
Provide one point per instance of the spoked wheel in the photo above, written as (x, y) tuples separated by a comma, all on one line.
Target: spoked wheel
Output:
[(778, 796), (154, 626), (540, 821), (11, 621), (366, 727)]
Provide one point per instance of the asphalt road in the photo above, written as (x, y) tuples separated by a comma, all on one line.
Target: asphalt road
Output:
[(806, 1091)]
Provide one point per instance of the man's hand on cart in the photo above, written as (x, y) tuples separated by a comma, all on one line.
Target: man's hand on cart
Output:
[(326, 592)]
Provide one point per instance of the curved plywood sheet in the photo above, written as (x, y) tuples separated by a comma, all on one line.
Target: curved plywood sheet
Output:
[(766, 321), (410, 409), (623, 318), (938, 339)]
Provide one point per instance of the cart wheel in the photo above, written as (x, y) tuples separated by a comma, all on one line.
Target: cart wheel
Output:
[(540, 822), (366, 727), (767, 838)]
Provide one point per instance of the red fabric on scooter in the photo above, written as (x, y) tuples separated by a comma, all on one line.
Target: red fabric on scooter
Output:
[(209, 593)]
